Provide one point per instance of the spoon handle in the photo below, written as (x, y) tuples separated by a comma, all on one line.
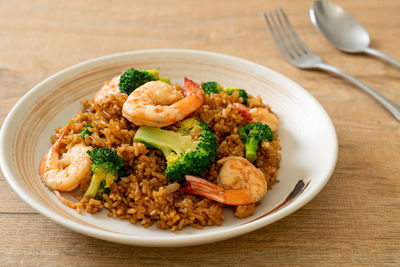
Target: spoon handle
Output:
[(389, 105), (382, 55)]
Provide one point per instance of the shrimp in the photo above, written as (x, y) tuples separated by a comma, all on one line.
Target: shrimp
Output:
[(159, 104), (239, 183), (262, 115), (76, 159), (265, 116), (109, 88)]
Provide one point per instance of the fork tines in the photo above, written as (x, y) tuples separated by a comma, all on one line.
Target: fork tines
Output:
[(284, 35)]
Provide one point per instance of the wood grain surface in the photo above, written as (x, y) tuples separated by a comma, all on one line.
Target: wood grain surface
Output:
[(354, 221)]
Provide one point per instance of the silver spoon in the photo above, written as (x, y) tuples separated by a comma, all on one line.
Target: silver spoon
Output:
[(342, 30)]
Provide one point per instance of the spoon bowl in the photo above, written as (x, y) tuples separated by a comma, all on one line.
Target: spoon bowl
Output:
[(339, 27), (342, 30)]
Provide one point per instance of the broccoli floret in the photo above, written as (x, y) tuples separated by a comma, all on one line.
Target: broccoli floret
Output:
[(184, 155), (216, 88), (105, 167), (133, 78), (85, 131), (211, 87), (241, 93), (252, 134)]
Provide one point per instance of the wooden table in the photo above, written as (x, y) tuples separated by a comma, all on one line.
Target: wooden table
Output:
[(355, 220)]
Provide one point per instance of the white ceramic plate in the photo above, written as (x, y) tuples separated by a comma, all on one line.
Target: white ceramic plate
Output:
[(307, 136)]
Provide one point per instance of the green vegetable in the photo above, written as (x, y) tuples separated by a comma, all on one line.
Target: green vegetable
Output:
[(211, 87), (190, 125), (184, 155), (241, 93), (122, 173), (105, 167), (165, 79), (216, 88), (252, 134), (102, 190), (133, 78), (85, 131)]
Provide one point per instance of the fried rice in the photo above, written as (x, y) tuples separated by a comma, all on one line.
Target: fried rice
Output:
[(145, 195)]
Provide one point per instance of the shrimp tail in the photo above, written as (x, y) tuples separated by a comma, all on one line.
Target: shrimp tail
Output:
[(56, 145), (202, 187), (189, 87), (53, 152)]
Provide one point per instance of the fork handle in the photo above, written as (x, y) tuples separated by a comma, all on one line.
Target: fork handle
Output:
[(382, 55), (389, 105)]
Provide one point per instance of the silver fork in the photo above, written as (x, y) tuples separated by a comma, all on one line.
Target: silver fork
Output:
[(297, 53)]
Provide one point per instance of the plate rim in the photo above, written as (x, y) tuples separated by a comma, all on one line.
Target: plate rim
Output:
[(178, 240)]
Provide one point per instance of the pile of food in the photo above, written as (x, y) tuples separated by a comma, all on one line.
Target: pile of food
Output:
[(154, 152)]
